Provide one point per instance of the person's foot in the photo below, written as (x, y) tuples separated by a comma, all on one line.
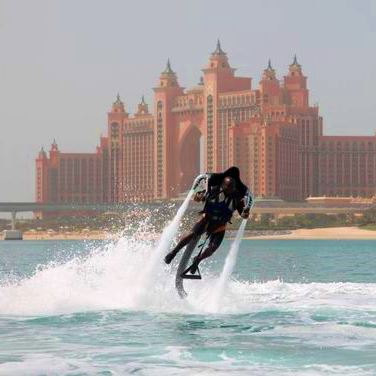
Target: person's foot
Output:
[(170, 256), (194, 266)]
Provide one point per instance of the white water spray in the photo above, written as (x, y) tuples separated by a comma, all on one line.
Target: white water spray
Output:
[(164, 243), (228, 267), (107, 279)]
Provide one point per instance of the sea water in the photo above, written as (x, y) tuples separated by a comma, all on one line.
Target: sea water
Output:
[(291, 307)]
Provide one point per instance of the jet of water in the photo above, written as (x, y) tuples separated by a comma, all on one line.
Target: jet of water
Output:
[(228, 267), (170, 231), (151, 271)]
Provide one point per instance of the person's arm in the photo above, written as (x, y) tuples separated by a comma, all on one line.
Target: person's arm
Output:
[(240, 207), (245, 205)]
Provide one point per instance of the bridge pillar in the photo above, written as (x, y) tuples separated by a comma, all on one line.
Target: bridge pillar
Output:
[(13, 234), (14, 220)]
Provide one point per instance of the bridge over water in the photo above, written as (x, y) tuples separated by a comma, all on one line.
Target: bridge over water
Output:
[(261, 207), (275, 207), (17, 207)]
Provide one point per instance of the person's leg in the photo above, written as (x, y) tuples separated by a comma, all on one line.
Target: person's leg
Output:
[(198, 229), (214, 243), (183, 241)]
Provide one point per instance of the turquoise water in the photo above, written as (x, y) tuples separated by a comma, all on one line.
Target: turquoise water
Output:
[(292, 307)]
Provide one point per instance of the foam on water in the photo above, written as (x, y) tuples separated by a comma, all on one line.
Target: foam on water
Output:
[(130, 274), (115, 310), (225, 326), (111, 278), (36, 366), (53, 365)]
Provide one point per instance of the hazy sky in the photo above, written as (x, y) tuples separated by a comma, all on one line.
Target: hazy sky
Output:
[(62, 63)]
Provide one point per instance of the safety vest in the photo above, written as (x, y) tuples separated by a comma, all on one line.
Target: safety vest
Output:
[(220, 207)]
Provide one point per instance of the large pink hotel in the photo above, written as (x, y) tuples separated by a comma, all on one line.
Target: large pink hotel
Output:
[(271, 132)]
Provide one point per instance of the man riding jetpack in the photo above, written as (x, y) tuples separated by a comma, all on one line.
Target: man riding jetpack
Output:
[(223, 194)]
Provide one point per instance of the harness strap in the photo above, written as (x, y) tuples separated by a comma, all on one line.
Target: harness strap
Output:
[(230, 202), (220, 229), (203, 244), (201, 247)]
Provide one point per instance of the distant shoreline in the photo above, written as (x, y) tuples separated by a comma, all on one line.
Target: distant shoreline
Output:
[(344, 233)]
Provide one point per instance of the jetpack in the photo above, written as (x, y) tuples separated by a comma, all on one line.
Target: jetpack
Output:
[(200, 185)]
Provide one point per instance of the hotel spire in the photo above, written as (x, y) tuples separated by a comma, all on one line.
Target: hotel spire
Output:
[(118, 105), (295, 69), (168, 69), (42, 154), (218, 58), (269, 72), (54, 146), (142, 107), (168, 77), (218, 50), (295, 62)]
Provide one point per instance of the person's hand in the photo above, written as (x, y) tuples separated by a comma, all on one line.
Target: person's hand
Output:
[(199, 196), (245, 213)]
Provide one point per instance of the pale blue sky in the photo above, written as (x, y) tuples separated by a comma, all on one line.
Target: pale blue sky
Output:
[(62, 63)]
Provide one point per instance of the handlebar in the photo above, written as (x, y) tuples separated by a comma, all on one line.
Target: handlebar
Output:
[(248, 201), (201, 182)]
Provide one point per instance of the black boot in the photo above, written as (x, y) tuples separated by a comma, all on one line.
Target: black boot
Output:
[(170, 256), (194, 266)]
